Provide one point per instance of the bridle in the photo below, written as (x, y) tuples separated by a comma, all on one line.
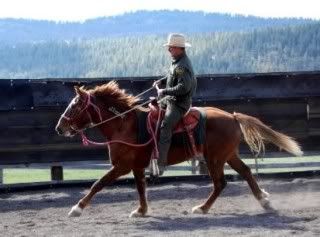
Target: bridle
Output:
[(88, 103), (73, 117)]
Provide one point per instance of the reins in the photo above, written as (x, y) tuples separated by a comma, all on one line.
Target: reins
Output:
[(132, 109), (153, 132), (87, 142)]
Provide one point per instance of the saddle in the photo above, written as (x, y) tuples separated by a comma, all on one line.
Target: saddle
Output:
[(187, 124)]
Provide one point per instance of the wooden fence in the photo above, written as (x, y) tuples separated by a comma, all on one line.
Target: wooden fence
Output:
[(29, 110)]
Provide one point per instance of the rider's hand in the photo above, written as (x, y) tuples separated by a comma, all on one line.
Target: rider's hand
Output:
[(160, 92), (156, 84)]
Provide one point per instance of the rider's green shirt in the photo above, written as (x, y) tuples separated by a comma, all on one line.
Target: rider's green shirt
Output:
[(181, 83)]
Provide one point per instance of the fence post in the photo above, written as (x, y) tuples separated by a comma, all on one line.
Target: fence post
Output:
[(256, 165), (203, 167), (1, 176), (193, 166), (56, 172)]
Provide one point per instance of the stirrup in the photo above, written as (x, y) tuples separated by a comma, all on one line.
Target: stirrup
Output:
[(154, 168)]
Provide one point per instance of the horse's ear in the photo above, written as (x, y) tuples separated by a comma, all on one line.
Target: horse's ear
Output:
[(79, 90)]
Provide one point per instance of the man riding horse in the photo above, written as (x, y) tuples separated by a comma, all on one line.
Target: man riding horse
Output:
[(116, 112), (179, 88)]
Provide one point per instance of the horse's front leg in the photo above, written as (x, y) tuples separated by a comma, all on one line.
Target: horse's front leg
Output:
[(107, 179), (140, 180)]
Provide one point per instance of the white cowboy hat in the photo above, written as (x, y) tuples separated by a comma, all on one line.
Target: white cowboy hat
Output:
[(177, 40)]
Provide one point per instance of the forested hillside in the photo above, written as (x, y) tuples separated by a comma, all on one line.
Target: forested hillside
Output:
[(291, 48), (140, 23)]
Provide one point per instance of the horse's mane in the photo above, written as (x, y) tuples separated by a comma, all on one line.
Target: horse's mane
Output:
[(111, 94)]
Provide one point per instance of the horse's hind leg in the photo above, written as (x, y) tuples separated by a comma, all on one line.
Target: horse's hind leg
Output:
[(140, 180), (215, 168), (107, 179), (245, 172)]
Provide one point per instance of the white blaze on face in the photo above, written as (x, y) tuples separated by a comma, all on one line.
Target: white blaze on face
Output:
[(73, 102), (62, 124)]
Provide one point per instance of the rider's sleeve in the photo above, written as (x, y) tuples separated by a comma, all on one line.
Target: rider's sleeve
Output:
[(183, 85), (163, 82)]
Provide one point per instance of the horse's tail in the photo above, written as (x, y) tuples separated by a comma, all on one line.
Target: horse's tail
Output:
[(256, 132)]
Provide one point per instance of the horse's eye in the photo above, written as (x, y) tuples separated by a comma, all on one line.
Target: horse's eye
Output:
[(76, 100)]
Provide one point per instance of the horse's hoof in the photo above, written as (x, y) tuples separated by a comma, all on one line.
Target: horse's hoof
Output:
[(198, 210), (136, 213), (266, 204), (75, 211), (264, 194)]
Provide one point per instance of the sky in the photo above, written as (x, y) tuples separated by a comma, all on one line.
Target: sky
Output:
[(80, 10)]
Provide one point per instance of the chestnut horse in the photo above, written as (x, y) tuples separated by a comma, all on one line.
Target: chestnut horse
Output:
[(224, 131)]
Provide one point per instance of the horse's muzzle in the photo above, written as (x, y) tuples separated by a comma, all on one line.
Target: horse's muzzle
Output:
[(59, 131)]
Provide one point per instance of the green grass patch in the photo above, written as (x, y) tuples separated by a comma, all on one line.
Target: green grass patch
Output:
[(283, 160), (82, 174), (12, 176), (32, 175)]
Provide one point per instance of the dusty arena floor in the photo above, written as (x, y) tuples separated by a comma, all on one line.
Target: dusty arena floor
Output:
[(235, 213)]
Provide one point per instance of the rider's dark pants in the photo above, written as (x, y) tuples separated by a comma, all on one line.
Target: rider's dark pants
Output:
[(172, 116)]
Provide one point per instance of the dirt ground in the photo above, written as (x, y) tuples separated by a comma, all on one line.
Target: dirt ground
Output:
[(235, 213)]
